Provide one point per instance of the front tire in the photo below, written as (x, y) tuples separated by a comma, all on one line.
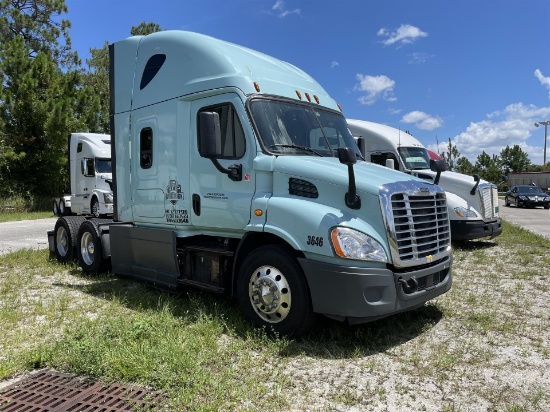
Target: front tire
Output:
[(56, 208), (95, 207), (273, 293), (506, 202), (90, 250)]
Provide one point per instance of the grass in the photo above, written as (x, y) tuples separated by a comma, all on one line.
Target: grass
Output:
[(16, 216), (481, 346)]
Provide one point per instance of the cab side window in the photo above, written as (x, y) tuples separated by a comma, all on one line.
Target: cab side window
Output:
[(146, 148), (233, 141), (380, 159)]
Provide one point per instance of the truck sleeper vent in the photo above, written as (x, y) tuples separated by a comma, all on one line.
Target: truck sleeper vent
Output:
[(303, 188), (421, 225)]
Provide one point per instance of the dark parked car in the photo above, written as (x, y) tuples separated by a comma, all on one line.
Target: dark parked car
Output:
[(527, 196)]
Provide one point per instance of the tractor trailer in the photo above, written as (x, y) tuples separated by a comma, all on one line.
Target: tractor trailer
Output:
[(472, 203), (90, 177), (236, 172)]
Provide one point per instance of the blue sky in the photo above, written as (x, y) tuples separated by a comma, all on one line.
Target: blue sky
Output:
[(475, 71)]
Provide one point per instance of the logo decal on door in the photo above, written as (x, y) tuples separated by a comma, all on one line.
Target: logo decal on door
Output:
[(173, 192)]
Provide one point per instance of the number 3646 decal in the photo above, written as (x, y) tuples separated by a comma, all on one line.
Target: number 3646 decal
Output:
[(315, 240)]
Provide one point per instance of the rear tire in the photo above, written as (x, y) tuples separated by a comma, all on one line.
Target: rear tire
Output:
[(64, 240), (273, 292), (90, 250)]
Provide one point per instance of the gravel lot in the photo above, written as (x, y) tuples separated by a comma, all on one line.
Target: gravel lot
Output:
[(483, 346)]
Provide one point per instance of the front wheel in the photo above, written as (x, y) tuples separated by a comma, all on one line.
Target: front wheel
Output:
[(90, 251), (95, 207), (56, 208), (273, 293), (506, 202)]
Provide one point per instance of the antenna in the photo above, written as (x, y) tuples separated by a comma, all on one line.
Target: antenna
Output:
[(437, 142), (399, 145)]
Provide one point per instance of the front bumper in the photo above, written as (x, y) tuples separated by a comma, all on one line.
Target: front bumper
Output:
[(532, 203), (365, 294), (474, 229)]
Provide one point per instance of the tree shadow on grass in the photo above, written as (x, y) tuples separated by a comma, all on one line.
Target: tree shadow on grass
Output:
[(328, 339)]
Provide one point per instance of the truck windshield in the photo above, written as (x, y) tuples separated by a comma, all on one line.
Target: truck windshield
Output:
[(286, 128), (103, 165), (415, 158)]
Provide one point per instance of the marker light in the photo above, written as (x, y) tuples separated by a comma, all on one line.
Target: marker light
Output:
[(257, 87), (316, 98), (299, 95), (340, 107), (258, 212), (308, 98)]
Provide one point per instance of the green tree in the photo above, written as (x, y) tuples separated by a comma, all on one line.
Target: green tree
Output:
[(41, 100), (514, 159), (143, 29), (463, 165), (489, 168), (451, 155), (37, 23)]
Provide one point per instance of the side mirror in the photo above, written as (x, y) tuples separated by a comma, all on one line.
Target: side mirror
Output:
[(476, 179), (438, 166), (347, 156), (210, 144), (390, 163), (210, 137)]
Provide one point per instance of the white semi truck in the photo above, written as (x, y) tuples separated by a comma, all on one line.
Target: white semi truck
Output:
[(90, 177), (236, 172), (472, 203)]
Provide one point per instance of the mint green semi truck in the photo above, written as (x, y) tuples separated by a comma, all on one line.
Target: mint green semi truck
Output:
[(236, 172)]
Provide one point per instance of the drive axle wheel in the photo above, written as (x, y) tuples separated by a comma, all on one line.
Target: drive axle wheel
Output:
[(90, 252), (65, 232), (273, 292)]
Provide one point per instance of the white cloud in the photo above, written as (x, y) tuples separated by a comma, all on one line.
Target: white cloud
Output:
[(376, 87), (420, 57), (405, 34), (279, 8), (422, 120), (334, 64), (512, 126), (545, 81)]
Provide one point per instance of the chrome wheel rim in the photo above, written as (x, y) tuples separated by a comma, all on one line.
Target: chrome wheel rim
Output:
[(269, 294), (62, 241), (87, 248)]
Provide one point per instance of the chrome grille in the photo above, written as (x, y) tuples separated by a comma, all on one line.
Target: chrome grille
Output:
[(488, 194), (417, 223)]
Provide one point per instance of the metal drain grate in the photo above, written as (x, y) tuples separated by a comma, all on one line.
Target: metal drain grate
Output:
[(48, 391)]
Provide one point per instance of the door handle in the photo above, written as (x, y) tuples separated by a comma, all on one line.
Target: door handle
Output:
[(197, 204)]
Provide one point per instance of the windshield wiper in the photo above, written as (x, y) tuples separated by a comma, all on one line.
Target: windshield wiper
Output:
[(295, 146)]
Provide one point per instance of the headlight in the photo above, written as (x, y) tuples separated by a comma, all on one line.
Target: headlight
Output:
[(524, 198), (107, 197), (351, 244), (463, 212)]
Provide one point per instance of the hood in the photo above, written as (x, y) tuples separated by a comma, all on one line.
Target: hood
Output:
[(449, 179), (368, 176)]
